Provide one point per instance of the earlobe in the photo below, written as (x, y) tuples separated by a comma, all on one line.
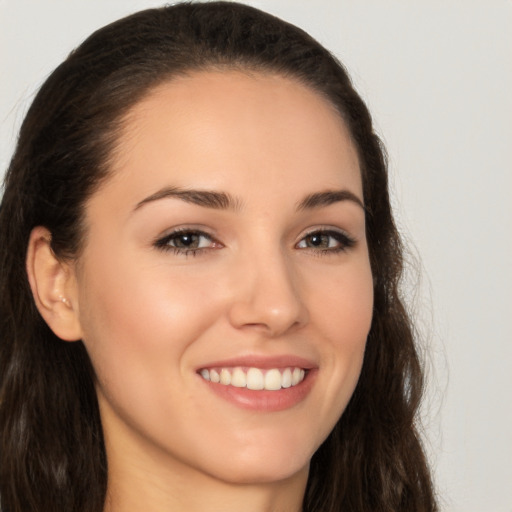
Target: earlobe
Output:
[(53, 285)]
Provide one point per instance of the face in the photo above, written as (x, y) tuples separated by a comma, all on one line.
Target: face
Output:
[(224, 291)]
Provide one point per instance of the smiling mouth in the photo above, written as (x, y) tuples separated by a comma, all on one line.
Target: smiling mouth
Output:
[(272, 379)]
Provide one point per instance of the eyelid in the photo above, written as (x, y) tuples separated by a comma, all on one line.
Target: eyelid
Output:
[(162, 241), (192, 228), (345, 240)]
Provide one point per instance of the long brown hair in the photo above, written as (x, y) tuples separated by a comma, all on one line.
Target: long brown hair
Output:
[(51, 444)]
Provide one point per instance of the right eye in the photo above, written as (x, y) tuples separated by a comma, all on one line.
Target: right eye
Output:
[(186, 241)]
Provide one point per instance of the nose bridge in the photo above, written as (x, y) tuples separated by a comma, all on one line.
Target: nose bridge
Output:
[(267, 291)]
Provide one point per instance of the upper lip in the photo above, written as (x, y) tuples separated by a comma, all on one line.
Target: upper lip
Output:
[(263, 362)]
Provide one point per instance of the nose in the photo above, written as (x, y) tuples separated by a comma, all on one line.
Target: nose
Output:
[(267, 296)]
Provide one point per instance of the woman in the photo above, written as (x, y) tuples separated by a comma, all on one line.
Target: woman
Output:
[(199, 299)]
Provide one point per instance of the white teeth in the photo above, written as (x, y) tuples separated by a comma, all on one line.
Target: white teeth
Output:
[(238, 378), (296, 376), (225, 377), (254, 378), (287, 378), (273, 380)]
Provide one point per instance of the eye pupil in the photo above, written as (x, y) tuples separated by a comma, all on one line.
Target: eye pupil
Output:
[(316, 240), (186, 240)]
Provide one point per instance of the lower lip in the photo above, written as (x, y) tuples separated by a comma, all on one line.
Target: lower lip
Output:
[(263, 400)]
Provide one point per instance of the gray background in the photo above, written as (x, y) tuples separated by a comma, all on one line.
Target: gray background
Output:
[(437, 76)]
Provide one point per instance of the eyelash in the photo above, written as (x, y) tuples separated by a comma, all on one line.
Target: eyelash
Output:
[(342, 239), (164, 242)]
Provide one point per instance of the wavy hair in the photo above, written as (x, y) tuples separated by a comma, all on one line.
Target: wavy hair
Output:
[(51, 443)]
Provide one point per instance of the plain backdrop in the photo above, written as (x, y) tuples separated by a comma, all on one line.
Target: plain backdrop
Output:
[(437, 76)]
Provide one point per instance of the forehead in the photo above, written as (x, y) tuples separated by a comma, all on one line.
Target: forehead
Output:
[(235, 129)]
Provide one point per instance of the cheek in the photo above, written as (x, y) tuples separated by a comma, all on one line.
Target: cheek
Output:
[(342, 302), (342, 311), (138, 319), (138, 331)]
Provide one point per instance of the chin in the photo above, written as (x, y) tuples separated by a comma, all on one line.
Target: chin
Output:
[(273, 472), (264, 466)]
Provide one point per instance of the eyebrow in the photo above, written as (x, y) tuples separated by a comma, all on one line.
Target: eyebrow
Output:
[(224, 201), (205, 198), (328, 197)]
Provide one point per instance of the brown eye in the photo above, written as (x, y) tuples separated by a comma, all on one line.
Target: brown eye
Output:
[(318, 240), (186, 241), (327, 241)]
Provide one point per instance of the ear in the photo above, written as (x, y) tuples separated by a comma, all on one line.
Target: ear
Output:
[(53, 285)]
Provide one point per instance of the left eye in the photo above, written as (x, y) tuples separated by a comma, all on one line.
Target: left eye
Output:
[(326, 241), (185, 241), (189, 241)]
